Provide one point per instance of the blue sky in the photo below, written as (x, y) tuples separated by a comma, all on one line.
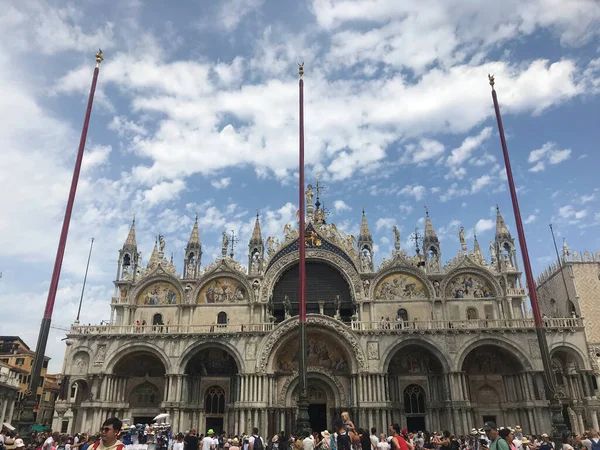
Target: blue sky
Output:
[(196, 112)]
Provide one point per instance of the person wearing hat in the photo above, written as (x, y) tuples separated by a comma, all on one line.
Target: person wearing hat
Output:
[(19, 443), (496, 443), (546, 443), (235, 444), (518, 433), (208, 442)]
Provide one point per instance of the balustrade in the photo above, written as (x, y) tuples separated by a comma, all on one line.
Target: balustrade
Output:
[(555, 323)]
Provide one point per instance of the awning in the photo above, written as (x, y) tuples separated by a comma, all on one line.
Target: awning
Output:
[(37, 427), (8, 426)]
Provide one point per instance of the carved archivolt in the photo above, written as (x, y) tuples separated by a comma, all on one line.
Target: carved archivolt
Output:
[(346, 269), (404, 269), (216, 274), (496, 290), (158, 275), (323, 322), (320, 370)]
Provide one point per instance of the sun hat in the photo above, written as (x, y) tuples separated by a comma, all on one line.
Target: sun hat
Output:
[(325, 433), (235, 441), (474, 432), (19, 443), (210, 431), (545, 435)]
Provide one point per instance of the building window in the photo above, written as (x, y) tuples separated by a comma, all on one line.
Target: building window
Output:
[(45, 364), (73, 390), (145, 394), (222, 318), (20, 361), (214, 400), (157, 319), (402, 314), (414, 400), (472, 314), (4, 360)]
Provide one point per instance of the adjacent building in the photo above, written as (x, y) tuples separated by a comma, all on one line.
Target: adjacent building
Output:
[(571, 287), (16, 354), (429, 345), (9, 386)]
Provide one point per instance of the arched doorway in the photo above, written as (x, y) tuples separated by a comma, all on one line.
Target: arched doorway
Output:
[(326, 290), (322, 400), (494, 385), (415, 407), (144, 378), (78, 393), (211, 386), (416, 380)]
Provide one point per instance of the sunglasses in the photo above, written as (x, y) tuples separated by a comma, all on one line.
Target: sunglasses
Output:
[(105, 429)]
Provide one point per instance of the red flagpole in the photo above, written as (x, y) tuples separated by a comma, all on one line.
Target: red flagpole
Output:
[(302, 420), (27, 416), (301, 247), (555, 404)]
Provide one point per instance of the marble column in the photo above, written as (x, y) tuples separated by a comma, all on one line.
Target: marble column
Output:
[(594, 415)]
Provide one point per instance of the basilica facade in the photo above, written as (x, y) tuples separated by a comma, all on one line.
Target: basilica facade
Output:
[(430, 345)]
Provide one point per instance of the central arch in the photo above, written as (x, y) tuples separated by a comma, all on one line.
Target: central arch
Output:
[(327, 398), (334, 328), (328, 291)]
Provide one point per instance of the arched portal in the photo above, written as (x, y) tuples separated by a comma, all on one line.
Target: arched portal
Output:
[(326, 290), (141, 380), (212, 380), (494, 383), (414, 371), (79, 392)]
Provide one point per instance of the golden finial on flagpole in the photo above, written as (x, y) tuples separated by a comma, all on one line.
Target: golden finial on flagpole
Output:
[(491, 78), (99, 57), (301, 69)]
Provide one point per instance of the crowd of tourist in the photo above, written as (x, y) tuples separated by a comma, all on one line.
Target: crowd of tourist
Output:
[(344, 436)]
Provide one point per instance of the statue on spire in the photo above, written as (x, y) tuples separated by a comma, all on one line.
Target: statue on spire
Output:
[(463, 241), (224, 245), (565, 250), (396, 238)]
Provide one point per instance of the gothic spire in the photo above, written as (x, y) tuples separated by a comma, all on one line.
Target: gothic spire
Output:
[(365, 233), (130, 241), (430, 236), (501, 228), (477, 249), (194, 241), (256, 235), (153, 261)]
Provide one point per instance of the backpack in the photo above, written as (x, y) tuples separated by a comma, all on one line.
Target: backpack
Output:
[(258, 443), (332, 442), (595, 444)]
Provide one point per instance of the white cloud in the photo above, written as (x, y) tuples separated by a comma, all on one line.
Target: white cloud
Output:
[(456, 173), (452, 192), (96, 156), (463, 153), (340, 206), (445, 32), (425, 150), (417, 191), (587, 198), (530, 219), (221, 183), (569, 212), (548, 153), (386, 223), (484, 225), (165, 191), (123, 127), (480, 183), (232, 12)]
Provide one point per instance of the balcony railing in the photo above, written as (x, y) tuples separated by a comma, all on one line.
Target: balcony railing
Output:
[(560, 323), (472, 324), (10, 380), (172, 329), (516, 292)]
